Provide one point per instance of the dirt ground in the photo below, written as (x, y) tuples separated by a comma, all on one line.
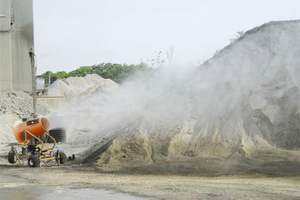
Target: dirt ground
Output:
[(15, 179), (269, 175)]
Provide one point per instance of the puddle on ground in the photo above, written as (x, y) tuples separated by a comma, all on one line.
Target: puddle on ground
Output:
[(16, 188), (65, 193)]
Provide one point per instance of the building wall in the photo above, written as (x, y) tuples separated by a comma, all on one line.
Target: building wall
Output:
[(5, 46), (22, 41), (16, 41)]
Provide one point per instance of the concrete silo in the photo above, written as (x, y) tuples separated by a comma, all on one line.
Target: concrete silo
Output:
[(16, 41)]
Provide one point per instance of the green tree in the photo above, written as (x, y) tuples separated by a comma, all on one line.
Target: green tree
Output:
[(61, 74), (115, 72)]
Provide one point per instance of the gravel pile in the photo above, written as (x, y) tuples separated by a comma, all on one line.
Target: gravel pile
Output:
[(20, 103)]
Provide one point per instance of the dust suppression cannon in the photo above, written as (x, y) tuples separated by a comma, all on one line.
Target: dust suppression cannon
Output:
[(33, 135)]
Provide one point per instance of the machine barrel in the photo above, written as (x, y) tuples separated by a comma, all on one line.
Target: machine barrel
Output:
[(35, 126)]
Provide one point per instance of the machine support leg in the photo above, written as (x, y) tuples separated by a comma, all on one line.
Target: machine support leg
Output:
[(25, 141)]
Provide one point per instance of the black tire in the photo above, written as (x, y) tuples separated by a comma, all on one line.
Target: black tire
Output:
[(58, 134), (33, 161), (63, 157), (12, 157)]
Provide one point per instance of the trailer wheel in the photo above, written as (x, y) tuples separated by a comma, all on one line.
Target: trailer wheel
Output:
[(12, 157), (33, 161), (63, 157)]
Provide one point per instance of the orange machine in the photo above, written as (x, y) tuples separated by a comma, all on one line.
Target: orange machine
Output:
[(35, 126), (39, 151)]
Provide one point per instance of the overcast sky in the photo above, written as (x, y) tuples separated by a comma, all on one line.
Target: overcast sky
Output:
[(74, 33)]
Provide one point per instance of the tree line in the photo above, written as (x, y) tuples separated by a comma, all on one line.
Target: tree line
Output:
[(115, 72)]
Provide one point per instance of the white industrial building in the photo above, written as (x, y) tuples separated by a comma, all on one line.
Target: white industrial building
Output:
[(16, 41)]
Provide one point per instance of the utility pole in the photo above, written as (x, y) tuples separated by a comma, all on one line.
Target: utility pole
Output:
[(32, 55), (49, 80)]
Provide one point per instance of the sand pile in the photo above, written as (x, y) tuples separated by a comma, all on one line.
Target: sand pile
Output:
[(243, 101), (80, 86), (13, 106)]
